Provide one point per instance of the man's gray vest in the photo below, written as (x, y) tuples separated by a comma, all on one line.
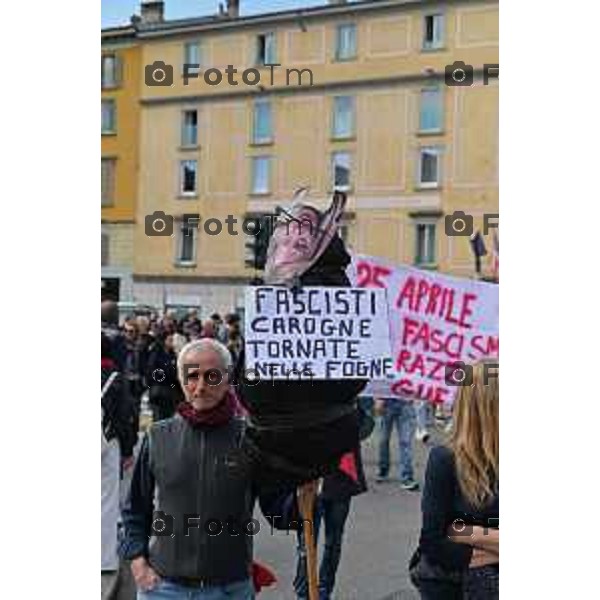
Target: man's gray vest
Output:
[(202, 525)]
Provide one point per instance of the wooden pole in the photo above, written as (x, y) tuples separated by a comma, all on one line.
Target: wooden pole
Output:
[(307, 494)]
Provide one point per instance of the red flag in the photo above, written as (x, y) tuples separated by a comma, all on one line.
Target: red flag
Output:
[(348, 466)]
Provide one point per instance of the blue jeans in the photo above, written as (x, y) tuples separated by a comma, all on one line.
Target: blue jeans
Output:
[(401, 414), (334, 513), (169, 590), (424, 413)]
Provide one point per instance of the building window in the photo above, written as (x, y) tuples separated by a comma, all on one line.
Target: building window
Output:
[(343, 117), (109, 116), (345, 42), (261, 122), (110, 71), (425, 245), (341, 165), (429, 167), (192, 53), (189, 177), (107, 184), (187, 236), (433, 32), (261, 167), (265, 49), (430, 116), (189, 128)]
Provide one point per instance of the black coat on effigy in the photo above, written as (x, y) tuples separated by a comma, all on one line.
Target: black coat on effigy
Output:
[(298, 429)]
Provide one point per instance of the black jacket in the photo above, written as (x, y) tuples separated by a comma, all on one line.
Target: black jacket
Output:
[(200, 528), (119, 414), (441, 504)]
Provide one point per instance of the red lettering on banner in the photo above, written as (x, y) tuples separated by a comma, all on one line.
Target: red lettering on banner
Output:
[(428, 367), (446, 307), (485, 345), (403, 356), (407, 293), (436, 290), (432, 340), (420, 391), (369, 275)]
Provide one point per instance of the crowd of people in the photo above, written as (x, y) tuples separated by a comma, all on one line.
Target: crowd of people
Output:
[(188, 465), (145, 350)]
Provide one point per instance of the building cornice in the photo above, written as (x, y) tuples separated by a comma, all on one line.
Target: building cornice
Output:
[(331, 86), (223, 23)]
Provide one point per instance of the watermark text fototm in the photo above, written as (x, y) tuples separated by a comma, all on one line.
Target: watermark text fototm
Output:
[(160, 74), (160, 224), (163, 524), (460, 223)]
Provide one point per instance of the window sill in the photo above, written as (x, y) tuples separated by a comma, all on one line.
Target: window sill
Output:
[(343, 138), (110, 87), (427, 49), (259, 143), (259, 194), (189, 148), (430, 132), (426, 266), (344, 59), (184, 264), (187, 197), (427, 186), (345, 189)]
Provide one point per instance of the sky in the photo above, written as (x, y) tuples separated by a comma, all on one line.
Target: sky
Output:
[(118, 12)]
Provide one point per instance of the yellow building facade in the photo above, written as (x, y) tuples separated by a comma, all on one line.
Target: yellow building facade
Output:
[(378, 121), (120, 112)]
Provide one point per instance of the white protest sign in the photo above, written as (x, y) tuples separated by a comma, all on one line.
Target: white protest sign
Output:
[(437, 323), (317, 333)]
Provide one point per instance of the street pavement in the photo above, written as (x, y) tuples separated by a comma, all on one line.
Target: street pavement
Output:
[(381, 533)]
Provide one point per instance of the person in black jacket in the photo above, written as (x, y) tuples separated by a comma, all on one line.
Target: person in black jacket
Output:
[(188, 521), (119, 416), (165, 392), (460, 503)]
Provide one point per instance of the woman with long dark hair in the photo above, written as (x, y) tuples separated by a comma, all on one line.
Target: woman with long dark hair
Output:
[(458, 555)]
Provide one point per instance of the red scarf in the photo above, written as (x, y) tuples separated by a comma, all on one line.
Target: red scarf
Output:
[(107, 363), (218, 415)]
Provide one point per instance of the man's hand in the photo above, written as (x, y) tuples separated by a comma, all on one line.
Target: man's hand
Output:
[(481, 558), (145, 576), (127, 463)]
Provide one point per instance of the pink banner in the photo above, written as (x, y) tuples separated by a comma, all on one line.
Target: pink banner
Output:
[(438, 325)]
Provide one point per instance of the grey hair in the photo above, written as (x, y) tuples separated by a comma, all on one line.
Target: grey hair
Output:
[(202, 345)]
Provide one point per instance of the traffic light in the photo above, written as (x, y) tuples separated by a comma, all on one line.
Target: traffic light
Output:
[(258, 244)]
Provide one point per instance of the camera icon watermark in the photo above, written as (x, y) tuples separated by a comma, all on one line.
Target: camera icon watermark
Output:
[(460, 223), (163, 525), (461, 74), (158, 74), (458, 374), (458, 74), (158, 224)]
